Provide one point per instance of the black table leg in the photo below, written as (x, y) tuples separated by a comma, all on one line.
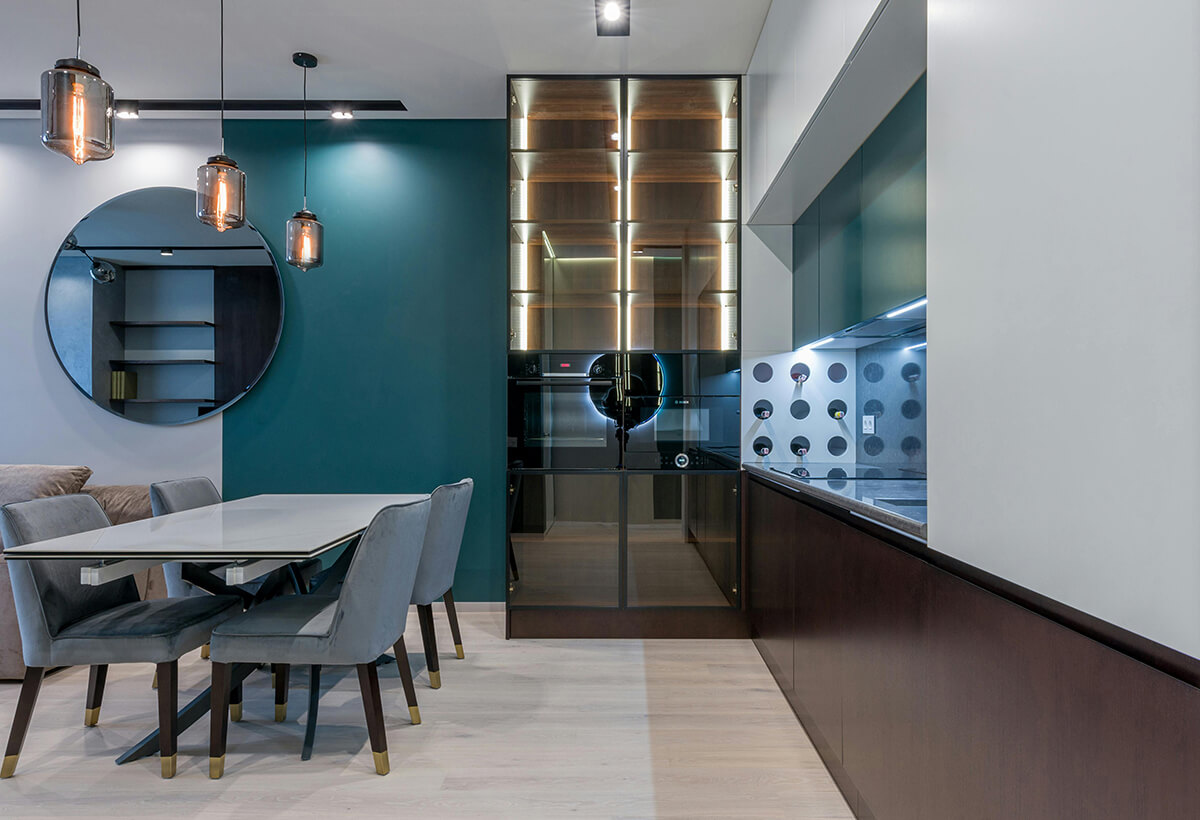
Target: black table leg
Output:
[(314, 696), (188, 715)]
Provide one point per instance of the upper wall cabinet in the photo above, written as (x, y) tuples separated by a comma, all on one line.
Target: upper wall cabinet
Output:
[(624, 214), (859, 249)]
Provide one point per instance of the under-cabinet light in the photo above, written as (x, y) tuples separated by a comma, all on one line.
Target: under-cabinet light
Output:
[(899, 311), (917, 346), (821, 343)]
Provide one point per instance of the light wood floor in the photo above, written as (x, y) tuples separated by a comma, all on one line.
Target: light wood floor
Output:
[(520, 729)]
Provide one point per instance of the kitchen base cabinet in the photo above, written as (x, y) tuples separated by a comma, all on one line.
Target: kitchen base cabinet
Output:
[(933, 691)]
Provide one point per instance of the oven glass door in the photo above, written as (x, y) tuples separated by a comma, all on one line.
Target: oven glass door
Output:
[(555, 424)]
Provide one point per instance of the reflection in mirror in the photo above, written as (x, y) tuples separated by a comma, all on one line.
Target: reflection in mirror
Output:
[(157, 317)]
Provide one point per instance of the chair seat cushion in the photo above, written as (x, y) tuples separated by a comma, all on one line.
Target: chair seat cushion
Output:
[(289, 629), (143, 631)]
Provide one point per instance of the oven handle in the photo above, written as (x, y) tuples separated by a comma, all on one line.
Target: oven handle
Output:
[(565, 383)]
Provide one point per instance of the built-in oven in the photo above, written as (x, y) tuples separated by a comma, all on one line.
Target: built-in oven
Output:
[(556, 413)]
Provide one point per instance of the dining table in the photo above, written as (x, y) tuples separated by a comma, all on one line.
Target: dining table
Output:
[(221, 547)]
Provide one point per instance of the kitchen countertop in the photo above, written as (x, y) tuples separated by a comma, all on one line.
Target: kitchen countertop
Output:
[(891, 495)]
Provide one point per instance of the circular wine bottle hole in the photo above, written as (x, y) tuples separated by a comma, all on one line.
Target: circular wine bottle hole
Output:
[(837, 372), (763, 372), (910, 409), (763, 409), (837, 478), (874, 407), (800, 446), (836, 446), (911, 446), (873, 445), (800, 372), (910, 372), (800, 409), (837, 409), (763, 446), (873, 372)]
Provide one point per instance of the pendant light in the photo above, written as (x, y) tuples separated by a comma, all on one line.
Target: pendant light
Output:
[(305, 235), (77, 107), (220, 184)]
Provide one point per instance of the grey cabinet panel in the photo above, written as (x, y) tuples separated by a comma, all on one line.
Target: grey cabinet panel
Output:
[(806, 277)]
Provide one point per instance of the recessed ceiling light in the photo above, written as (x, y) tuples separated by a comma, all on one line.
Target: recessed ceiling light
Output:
[(612, 18), (127, 109), (166, 252), (343, 112)]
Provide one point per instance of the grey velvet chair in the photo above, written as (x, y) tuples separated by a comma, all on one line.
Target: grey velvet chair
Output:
[(64, 623), (353, 627), (435, 576)]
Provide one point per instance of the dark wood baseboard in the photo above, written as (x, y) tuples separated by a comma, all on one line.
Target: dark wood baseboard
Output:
[(931, 695), (579, 622)]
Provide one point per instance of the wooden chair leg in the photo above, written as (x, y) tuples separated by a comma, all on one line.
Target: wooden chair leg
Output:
[(368, 682), (25, 703), (280, 672), (425, 616), (452, 614), (406, 679), (218, 718), (168, 715), (235, 703), (95, 694), (314, 698)]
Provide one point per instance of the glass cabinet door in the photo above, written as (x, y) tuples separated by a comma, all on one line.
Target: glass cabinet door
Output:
[(566, 539), (682, 540)]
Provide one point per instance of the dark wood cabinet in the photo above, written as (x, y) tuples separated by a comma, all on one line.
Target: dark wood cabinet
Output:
[(929, 696)]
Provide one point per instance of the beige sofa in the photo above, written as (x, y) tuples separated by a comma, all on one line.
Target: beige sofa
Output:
[(24, 482)]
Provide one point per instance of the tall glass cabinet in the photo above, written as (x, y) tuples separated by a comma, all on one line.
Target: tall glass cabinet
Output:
[(623, 362)]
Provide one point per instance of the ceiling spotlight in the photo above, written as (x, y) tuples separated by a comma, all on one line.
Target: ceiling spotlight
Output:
[(166, 252), (612, 18), (127, 109), (341, 111)]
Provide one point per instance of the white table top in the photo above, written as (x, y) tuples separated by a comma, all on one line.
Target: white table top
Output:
[(284, 527)]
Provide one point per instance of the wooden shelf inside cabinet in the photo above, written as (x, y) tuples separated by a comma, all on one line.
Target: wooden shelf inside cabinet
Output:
[(563, 99), (682, 99), (568, 231), (168, 401), (681, 232), (567, 165), (145, 362), (123, 323), (682, 165)]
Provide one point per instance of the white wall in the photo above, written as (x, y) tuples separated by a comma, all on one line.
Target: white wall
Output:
[(803, 46), (1064, 295), (43, 418)]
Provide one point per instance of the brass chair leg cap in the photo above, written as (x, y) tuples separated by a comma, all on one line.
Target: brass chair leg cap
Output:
[(235, 712), (415, 714), (168, 767), (382, 766), (458, 650), (216, 767), (204, 652), (280, 712), (91, 716), (435, 680), (10, 766)]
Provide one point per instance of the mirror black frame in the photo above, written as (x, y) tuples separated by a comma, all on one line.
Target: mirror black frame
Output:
[(217, 409)]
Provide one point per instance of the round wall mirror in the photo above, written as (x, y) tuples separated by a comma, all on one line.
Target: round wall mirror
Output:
[(157, 317)]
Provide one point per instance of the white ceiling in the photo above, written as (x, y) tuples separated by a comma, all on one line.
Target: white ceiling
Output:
[(443, 58)]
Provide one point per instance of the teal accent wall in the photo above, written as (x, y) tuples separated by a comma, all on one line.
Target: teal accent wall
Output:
[(390, 371), (859, 249)]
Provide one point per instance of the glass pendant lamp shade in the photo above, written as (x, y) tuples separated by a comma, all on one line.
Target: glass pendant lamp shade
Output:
[(221, 193), (77, 111), (305, 241)]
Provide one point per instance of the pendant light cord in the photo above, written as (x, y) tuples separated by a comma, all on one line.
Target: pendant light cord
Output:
[(305, 115), (78, 29), (222, 76)]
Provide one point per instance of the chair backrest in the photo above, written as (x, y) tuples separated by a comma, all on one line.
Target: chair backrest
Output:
[(48, 594), (373, 602), (183, 494), (443, 539), (176, 496)]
